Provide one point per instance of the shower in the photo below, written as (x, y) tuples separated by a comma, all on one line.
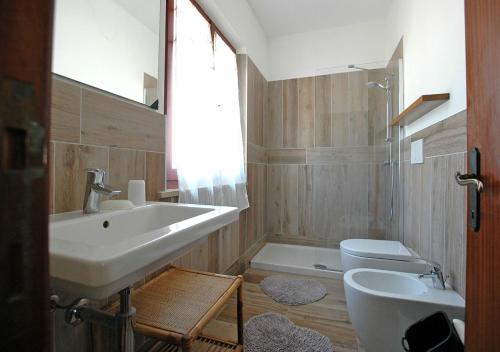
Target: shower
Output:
[(388, 135), (375, 85)]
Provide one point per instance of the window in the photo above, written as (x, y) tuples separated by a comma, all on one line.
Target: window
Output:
[(204, 131)]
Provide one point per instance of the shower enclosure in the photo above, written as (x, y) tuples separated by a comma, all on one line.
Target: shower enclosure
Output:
[(333, 171)]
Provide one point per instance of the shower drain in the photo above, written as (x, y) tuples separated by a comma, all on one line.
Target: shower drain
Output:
[(323, 267)]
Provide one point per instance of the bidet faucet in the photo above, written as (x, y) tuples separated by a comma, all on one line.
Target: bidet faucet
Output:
[(95, 187), (438, 279)]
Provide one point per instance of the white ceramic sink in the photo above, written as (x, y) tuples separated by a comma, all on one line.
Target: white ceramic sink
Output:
[(97, 255), (383, 304)]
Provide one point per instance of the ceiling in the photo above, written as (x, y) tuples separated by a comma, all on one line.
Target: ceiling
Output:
[(283, 17), (148, 15)]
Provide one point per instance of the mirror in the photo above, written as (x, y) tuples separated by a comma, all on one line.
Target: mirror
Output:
[(113, 45)]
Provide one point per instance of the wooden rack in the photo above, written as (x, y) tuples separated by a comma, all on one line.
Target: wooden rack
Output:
[(419, 108), (174, 308)]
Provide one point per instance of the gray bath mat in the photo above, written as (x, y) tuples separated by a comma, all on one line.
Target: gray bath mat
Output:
[(272, 332), (293, 292)]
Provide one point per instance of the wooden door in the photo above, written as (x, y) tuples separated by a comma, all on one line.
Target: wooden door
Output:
[(483, 131), (25, 65)]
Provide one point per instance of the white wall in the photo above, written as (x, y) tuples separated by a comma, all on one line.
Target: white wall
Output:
[(327, 51), (434, 53), (237, 21), (98, 43)]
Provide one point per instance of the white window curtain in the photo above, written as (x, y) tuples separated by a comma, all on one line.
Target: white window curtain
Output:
[(207, 140)]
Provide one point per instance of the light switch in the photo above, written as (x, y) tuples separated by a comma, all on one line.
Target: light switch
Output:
[(417, 152)]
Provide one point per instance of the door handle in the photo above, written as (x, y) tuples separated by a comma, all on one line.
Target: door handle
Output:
[(473, 178), (469, 179)]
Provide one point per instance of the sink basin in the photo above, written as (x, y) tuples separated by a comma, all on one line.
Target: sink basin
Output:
[(383, 304), (389, 282), (97, 255)]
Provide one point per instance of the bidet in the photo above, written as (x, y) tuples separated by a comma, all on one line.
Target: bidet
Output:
[(382, 304)]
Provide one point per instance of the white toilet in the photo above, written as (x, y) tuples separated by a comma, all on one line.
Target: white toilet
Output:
[(380, 254)]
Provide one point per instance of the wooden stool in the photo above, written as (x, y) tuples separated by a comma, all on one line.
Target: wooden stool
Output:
[(176, 306)]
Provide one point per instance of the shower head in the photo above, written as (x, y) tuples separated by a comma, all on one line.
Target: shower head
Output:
[(375, 85), (357, 68)]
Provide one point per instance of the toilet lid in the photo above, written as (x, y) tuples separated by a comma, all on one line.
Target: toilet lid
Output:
[(380, 249)]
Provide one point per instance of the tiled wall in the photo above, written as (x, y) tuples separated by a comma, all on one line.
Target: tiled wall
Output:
[(86, 132), (434, 205), (90, 128), (252, 220), (326, 180)]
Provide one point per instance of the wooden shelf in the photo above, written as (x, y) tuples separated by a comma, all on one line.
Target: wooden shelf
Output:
[(419, 108)]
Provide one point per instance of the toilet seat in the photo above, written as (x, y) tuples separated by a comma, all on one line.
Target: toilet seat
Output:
[(379, 249)]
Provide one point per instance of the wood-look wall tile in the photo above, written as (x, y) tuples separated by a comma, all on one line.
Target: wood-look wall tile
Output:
[(286, 156), (125, 165), (357, 132), (323, 111), (407, 203), (243, 231), (329, 211), (261, 105), (305, 130), (377, 109), (265, 110), (262, 191), (155, 175), (273, 132), (228, 246), (456, 224), (65, 111), (256, 213), (438, 206), (213, 250), (305, 200), (416, 199), (256, 154), (426, 209), (358, 91), (340, 107), (112, 122), (274, 200), (340, 155), (445, 137), (356, 195), (290, 113), (199, 256), (289, 180), (378, 201), (70, 177), (252, 214), (253, 115)]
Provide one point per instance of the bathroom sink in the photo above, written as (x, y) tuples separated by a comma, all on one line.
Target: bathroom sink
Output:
[(383, 304), (97, 255)]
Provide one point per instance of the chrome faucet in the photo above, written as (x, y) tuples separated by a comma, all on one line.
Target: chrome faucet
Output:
[(438, 278), (94, 189)]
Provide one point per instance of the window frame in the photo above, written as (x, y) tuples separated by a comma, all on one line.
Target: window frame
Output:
[(171, 173)]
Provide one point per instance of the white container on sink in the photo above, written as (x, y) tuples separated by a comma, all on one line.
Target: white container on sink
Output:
[(383, 304)]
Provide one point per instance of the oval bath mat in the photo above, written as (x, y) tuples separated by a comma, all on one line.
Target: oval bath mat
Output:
[(272, 332), (293, 292)]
